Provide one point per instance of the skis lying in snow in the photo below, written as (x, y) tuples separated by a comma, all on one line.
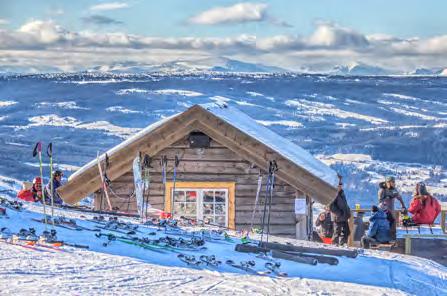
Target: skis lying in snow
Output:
[(247, 266), (274, 268), (189, 259), (11, 204), (210, 260), (163, 243)]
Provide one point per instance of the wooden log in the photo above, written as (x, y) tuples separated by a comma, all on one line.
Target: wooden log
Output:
[(313, 250), (320, 258), (243, 248), (294, 258)]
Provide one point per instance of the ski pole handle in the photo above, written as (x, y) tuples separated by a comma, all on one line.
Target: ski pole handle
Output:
[(37, 148), (50, 150)]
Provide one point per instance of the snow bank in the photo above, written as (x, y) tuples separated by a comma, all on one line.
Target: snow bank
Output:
[(68, 121), (288, 123), (177, 92), (7, 103), (69, 105), (317, 109), (123, 269), (122, 109)]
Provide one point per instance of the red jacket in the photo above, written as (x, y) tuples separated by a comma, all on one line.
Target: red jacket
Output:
[(28, 195), (425, 209)]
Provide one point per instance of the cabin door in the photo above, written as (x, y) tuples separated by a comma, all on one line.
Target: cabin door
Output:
[(208, 205)]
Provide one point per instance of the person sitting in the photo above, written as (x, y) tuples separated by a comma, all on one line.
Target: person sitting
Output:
[(424, 207), (51, 192), (379, 229), (33, 194), (326, 226)]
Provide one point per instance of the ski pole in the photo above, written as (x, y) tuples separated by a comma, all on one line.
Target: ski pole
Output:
[(38, 151), (147, 165), (176, 162), (269, 178), (272, 186), (50, 155)]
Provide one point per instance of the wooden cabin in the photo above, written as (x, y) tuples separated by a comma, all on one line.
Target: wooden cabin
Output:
[(221, 153)]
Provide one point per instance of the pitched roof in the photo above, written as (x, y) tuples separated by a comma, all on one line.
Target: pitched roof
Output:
[(230, 127)]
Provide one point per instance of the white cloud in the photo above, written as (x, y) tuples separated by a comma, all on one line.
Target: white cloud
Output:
[(238, 13), (332, 35), (3, 22), (40, 44), (109, 6)]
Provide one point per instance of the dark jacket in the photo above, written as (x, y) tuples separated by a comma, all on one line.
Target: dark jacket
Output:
[(327, 226), (54, 194), (379, 227), (386, 197), (339, 208)]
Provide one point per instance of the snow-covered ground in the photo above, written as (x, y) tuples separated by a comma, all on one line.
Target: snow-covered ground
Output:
[(124, 269)]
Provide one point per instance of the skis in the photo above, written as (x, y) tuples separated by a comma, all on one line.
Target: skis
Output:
[(38, 151), (11, 204), (189, 259), (138, 182), (104, 180), (210, 260), (247, 266)]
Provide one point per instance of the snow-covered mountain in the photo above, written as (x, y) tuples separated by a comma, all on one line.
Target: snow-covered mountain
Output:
[(360, 69)]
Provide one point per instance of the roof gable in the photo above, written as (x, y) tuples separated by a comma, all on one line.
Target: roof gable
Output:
[(229, 126)]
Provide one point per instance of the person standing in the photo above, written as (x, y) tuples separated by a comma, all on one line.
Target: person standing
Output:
[(387, 194), (341, 212)]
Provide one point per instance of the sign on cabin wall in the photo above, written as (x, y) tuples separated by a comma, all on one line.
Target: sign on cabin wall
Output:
[(300, 206)]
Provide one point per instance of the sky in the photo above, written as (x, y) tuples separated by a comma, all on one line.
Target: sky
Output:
[(296, 35)]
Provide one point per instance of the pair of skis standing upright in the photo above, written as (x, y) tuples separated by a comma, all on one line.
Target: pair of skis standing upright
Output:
[(37, 151), (141, 172)]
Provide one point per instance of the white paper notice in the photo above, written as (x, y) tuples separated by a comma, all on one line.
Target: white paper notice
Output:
[(300, 206)]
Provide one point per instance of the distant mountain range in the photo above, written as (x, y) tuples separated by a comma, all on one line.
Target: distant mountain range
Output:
[(222, 65)]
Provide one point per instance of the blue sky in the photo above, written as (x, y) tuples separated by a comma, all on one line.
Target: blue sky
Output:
[(353, 30)]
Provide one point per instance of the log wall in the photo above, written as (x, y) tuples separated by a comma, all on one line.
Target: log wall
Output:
[(214, 164)]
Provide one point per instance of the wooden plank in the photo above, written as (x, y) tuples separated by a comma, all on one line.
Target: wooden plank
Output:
[(294, 258), (312, 250)]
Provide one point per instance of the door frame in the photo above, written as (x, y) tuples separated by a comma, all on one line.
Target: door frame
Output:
[(230, 186)]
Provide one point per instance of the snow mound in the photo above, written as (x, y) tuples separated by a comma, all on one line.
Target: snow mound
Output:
[(120, 268), (7, 103)]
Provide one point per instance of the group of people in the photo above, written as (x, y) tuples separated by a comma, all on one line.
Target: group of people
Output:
[(36, 192), (333, 222)]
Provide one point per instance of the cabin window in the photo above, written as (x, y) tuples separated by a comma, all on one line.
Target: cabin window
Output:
[(209, 205), (206, 201)]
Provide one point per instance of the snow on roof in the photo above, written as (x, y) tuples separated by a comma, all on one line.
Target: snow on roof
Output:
[(281, 145), (249, 126)]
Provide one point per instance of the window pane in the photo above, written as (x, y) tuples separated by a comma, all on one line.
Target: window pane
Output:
[(220, 220), (208, 208), (179, 208), (191, 196), (220, 196), (179, 196), (208, 196), (220, 209), (208, 219), (190, 209)]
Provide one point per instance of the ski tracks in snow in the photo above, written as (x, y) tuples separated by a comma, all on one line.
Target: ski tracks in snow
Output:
[(82, 272)]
